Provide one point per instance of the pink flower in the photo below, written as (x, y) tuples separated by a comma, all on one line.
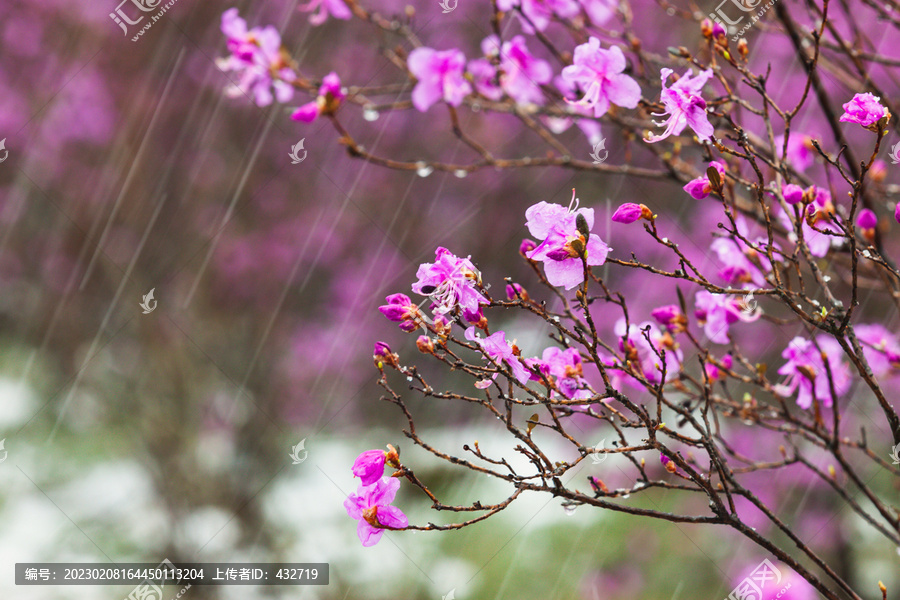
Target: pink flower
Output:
[(713, 372), (819, 211), (369, 466), (865, 109), (564, 367), (499, 350), (736, 256), (631, 212), (563, 243), (370, 505), (881, 349), (440, 75), (256, 60), (450, 281), (867, 219), (401, 309), (641, 354), (716, 312), (540, 12), (800, 151), (684, 105), (670, 316), (897, 212), (484, 77), (329, 98), (701, 187), (520, 72), (336, 8), (806, 375), (599, 11), (599, 73), (792, 193)]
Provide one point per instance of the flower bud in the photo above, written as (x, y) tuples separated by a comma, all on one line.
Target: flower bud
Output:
[(706, 28), (582, 226), (425, 345), (526, 247), (515, 291), (743, 48), (793, 193), (383, 355)]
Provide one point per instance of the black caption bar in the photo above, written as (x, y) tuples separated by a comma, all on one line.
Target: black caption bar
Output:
[(167, 573)]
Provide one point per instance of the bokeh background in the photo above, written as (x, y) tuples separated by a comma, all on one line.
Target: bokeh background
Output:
[(139, 437)]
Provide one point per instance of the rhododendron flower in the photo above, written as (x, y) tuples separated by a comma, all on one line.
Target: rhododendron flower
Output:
[(563, 244), (564, 367), (805, 371), (521, 74), (500, 351), (819, 211), (641, 354), (369, 466), (590, 127), (867, 219), (450, 281), (713, 372), (716, 312), (881, 349), (257, 60), (631, 212), (701, 187), (800, 152), (599, 11), (599, 73), (329, 98), (484, 77), (440, 77), (866, 110), (370, 505), (401, 309), (335, 8), (792, 193), (684, 105), (743, 264), (670, 316), (540, 12)]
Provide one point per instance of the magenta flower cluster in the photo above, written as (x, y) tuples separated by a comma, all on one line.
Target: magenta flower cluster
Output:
[(371, 504)]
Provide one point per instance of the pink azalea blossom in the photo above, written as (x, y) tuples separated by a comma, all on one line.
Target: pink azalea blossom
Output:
[(599, 11), (401, 309), (335, 8), (565, 369), (642, 354), (557, 227), (792, 193), (866, 219), (629, 213), (500, 351), (521, 74), (590, 127), (864, 109), (684, 105), (484, 77), (540, 12), (256, 60), (805, 371), (717, 312), (669, 315), (800, 153), (819, 211), (330, 95), (598, 73), (440, 76), (881, 349), (736, 256), (701, 187), (450, 281), (713, 372), (369, 466), (370, 505)]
